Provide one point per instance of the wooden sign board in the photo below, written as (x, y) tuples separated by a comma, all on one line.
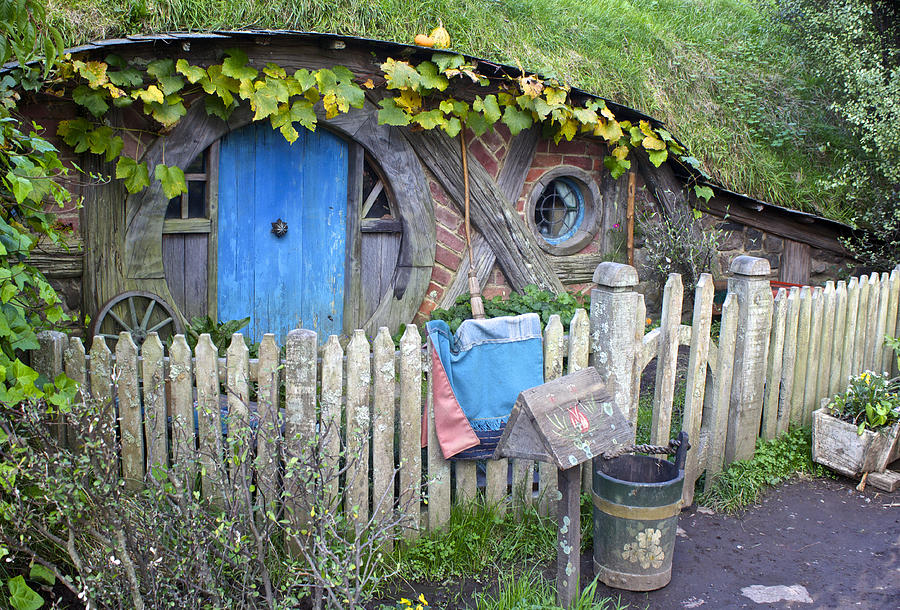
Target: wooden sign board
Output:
[(566, 421)]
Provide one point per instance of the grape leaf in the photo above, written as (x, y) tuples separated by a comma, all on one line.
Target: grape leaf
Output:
[(194, 74), (167, 113), (151, 94), (129, 77), (453, 126), (220, 84), (306, 78), (609, 130), (430, 77), (657, 156), (431, 119), (99, 139), (391, 114), (477, 123), (448, 61), (703, 192), (235, 65), (215, 106), (489, 107), (400, 75), (653, 143), (274, 70), (135, 175), (264, 101), (74, 132), (171, 84), (92, 99), (160, 68), (172, 179), (516, 119), (616, 166), (94, 72)]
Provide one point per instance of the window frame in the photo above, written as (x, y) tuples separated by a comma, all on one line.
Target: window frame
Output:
[(592, 209)]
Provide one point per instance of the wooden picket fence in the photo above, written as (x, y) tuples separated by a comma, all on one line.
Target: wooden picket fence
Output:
[(774, 362)]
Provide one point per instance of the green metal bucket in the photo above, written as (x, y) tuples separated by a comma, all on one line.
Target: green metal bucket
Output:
[(636, 504)]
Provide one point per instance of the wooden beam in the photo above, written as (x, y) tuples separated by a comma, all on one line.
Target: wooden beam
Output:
[(512, 176), (577, 268), (795, 263), (513, 243)]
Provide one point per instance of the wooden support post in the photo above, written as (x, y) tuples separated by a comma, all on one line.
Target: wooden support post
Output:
[(629, 220), (48, 360), (750, 284), (568, 547)]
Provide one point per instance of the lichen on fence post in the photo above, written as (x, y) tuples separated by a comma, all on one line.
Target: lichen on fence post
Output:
[(750, 283)]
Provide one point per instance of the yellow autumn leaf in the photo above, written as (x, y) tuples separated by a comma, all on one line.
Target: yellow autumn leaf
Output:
[(369, 84), (149, 95), (620, 152), (651, 142)]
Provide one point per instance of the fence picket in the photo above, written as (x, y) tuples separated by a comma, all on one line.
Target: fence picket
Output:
[(789, 359), (237, 388), (773, 366), (695, 384), (359, 424), (839, 339), (182, 408), (862, 324), (810, 398), (154, 402), (715, 454), (666, 360), (884, 292), (848, 357), (76, 369), (129, 411), (411, 426), (268, 428), (300, 428), (579, 356), (383, 428), (872, 322), (801, 363), (438, 468), (209, 418), (330, 402), (826, 348), (48, 360), (101, 374), (890, 329)]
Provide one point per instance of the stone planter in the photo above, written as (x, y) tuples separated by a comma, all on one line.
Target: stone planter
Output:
[(836, 444)]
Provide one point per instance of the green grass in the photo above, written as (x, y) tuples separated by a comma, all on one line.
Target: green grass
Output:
[(531, 591), (741, 483), (720, 73)]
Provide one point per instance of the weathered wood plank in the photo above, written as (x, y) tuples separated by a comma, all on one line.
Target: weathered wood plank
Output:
[(522, 484), (101, 388), (579, 355), (131, 442), (154, 402), (568, 541), (773, 367), (789, 360), (300, 425), (48, 361), (76, 370), (810, 397), (695, 385), (182, 408), (717, 436), (438, 467), (826, 347), (575, 268), (667, 360), (640, 325), (848, 366), (514, 245), (268, 430), (862, 323), (359, 424), (884, 292), (330, 404), (840, 338), (237, 387), (466, 476), (511, 179), (795, 263), (871, 322), (801, 362), (554, 342), (411, 427), (889, 362), (383, 429), (209, 417)]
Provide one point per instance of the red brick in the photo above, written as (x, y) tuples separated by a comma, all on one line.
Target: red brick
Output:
[(520, 206), (478, 150), (598, 165), (585, 163), (546, 160), (543, 146), (534, 174), (595, 149), (492, 167), (441, 276), (447, 216), (502, 131), (451, 240), (447, 257), (494, 142), (490, 292), (437, 192), (435, 291), (575, 147)]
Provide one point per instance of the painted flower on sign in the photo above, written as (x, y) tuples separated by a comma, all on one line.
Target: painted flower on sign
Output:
[(579, 420)]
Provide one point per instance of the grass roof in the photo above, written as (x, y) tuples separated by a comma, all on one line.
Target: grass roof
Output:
[(720, 73)]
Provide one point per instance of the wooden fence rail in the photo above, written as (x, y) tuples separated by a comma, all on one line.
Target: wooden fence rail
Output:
[(774, 362)]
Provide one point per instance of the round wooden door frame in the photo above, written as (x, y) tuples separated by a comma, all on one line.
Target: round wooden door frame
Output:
[(145, 211)]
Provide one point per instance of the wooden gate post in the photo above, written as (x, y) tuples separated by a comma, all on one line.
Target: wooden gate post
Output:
[(750, 284), (614, 309)]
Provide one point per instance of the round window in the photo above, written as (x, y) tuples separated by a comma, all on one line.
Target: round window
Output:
[(559, 211), (564, 210)]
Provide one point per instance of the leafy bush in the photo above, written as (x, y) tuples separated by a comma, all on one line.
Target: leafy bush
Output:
[(531, 299), (871, 401), (678, 244)]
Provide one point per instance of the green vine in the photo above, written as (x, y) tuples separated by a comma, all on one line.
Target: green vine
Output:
[(163, 88)]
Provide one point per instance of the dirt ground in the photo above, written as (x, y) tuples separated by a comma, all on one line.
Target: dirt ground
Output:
[(816, 543)]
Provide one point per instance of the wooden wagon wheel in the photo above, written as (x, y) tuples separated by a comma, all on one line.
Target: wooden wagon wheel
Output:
[(139, 313)]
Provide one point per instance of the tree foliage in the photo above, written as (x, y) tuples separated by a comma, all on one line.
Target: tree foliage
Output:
[(853, 46)]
